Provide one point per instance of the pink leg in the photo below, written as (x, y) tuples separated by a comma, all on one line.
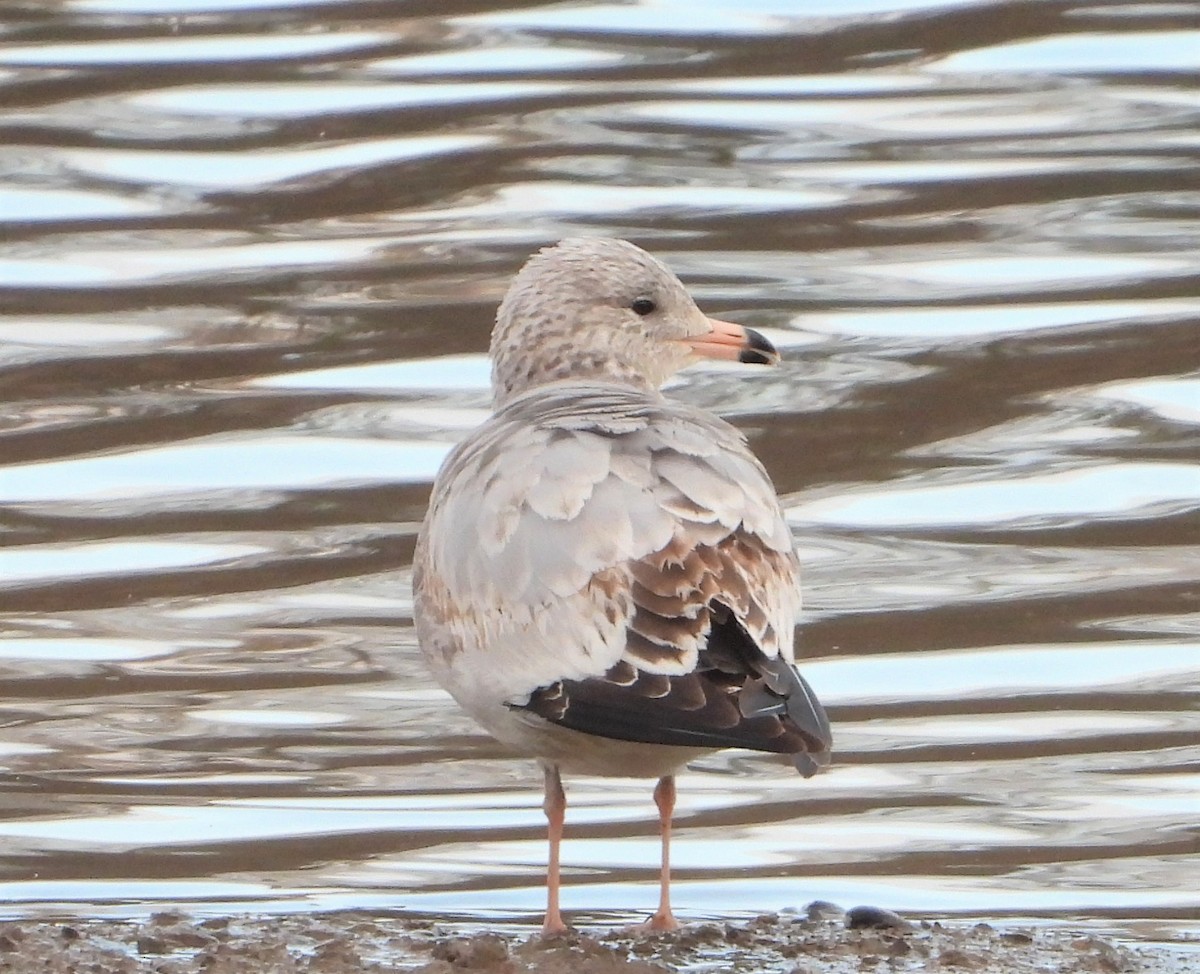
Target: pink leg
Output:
[(555, 806), (664, 798)]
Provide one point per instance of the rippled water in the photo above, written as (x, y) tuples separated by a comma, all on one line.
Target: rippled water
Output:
[(248, 260)]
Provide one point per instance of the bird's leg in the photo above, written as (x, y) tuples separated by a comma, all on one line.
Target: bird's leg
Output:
[(664, 798), (555, 806)]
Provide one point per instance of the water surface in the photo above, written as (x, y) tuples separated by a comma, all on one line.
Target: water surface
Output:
[(248, 261)]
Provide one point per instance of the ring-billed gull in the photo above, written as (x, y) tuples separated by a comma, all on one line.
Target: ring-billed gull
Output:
[(604, 579)]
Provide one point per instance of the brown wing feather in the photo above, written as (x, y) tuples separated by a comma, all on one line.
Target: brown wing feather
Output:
[(736, 696)]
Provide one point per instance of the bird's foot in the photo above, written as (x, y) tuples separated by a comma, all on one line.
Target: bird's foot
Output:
[(661, 922), (554, 926)]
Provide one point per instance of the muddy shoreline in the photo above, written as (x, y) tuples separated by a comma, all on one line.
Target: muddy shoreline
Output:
[(823, 941)]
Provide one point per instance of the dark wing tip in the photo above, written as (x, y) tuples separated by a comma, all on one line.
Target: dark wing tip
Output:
[(735, 698), (772, 687), (807, 713), (809, 763)]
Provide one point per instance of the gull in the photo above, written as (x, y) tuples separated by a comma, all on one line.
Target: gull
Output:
[(604, 579)]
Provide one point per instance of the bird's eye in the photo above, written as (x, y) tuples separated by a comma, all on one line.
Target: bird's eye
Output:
[(643, 306)]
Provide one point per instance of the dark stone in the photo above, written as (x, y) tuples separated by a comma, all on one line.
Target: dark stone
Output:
[(875, 918)]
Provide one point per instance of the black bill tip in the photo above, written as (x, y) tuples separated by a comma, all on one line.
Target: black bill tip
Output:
[(758, 350)]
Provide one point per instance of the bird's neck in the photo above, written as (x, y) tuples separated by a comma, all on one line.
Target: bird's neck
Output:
[(511, 379)]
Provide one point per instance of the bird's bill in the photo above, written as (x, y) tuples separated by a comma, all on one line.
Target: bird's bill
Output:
[(733, 343)]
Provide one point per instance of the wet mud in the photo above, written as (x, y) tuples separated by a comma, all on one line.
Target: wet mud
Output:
[(823, 941)]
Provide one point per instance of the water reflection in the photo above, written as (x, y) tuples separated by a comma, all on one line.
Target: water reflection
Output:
[(1005, 673), (255, 170), (421, 375), (247, 463), (1117, 52), (250, 267), (45, 563), (205, 50), (986, 322), (1126, 491)]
